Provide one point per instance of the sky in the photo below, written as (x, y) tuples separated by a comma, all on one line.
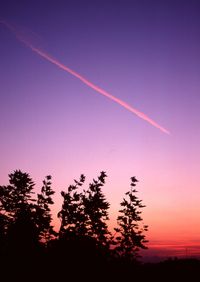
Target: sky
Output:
[(145, 53)]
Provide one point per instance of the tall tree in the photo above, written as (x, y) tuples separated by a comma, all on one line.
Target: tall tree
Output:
[(19, 208), (84, 235), (43, 212), (96, 210), (130, 237), (85, 213), (24, 219), (16, 196), (72, 216)]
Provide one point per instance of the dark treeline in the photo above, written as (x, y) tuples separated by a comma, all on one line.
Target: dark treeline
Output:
[(83, 248), (29, 243)]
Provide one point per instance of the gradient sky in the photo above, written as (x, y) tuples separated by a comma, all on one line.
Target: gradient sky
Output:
[(145, 53)]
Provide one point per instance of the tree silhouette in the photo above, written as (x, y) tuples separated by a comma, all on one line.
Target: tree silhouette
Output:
[(84, 231), (25, 221), (19, 208), (72, 216), (28, 240), (29, 245), (130, 236), (85, 213), (96, 210), (17, 195), (43, 212)]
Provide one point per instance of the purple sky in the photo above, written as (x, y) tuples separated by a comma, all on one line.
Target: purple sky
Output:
[(146, 53)]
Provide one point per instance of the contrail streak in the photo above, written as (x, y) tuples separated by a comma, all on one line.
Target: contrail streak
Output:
[(83, 79)]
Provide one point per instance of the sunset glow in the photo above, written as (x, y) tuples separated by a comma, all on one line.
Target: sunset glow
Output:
[(143, 52)]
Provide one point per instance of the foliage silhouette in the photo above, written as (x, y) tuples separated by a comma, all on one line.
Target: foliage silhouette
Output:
[(16, 196), (83, 248), (25, 221), (73, 220), (43, 212), (84, 231), (29, 243), (130, 236), (96, 210), (18, 208)]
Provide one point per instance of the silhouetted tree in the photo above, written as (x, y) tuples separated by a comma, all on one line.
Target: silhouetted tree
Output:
[(83, 239), (84, 231), (25, 221), (130, 236), (16, 196), (96, 210), (19, 207), (43, 212), (72, 216), (71, 243)]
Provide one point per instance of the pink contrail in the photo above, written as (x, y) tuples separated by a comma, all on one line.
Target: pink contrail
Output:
[(83, 79)]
